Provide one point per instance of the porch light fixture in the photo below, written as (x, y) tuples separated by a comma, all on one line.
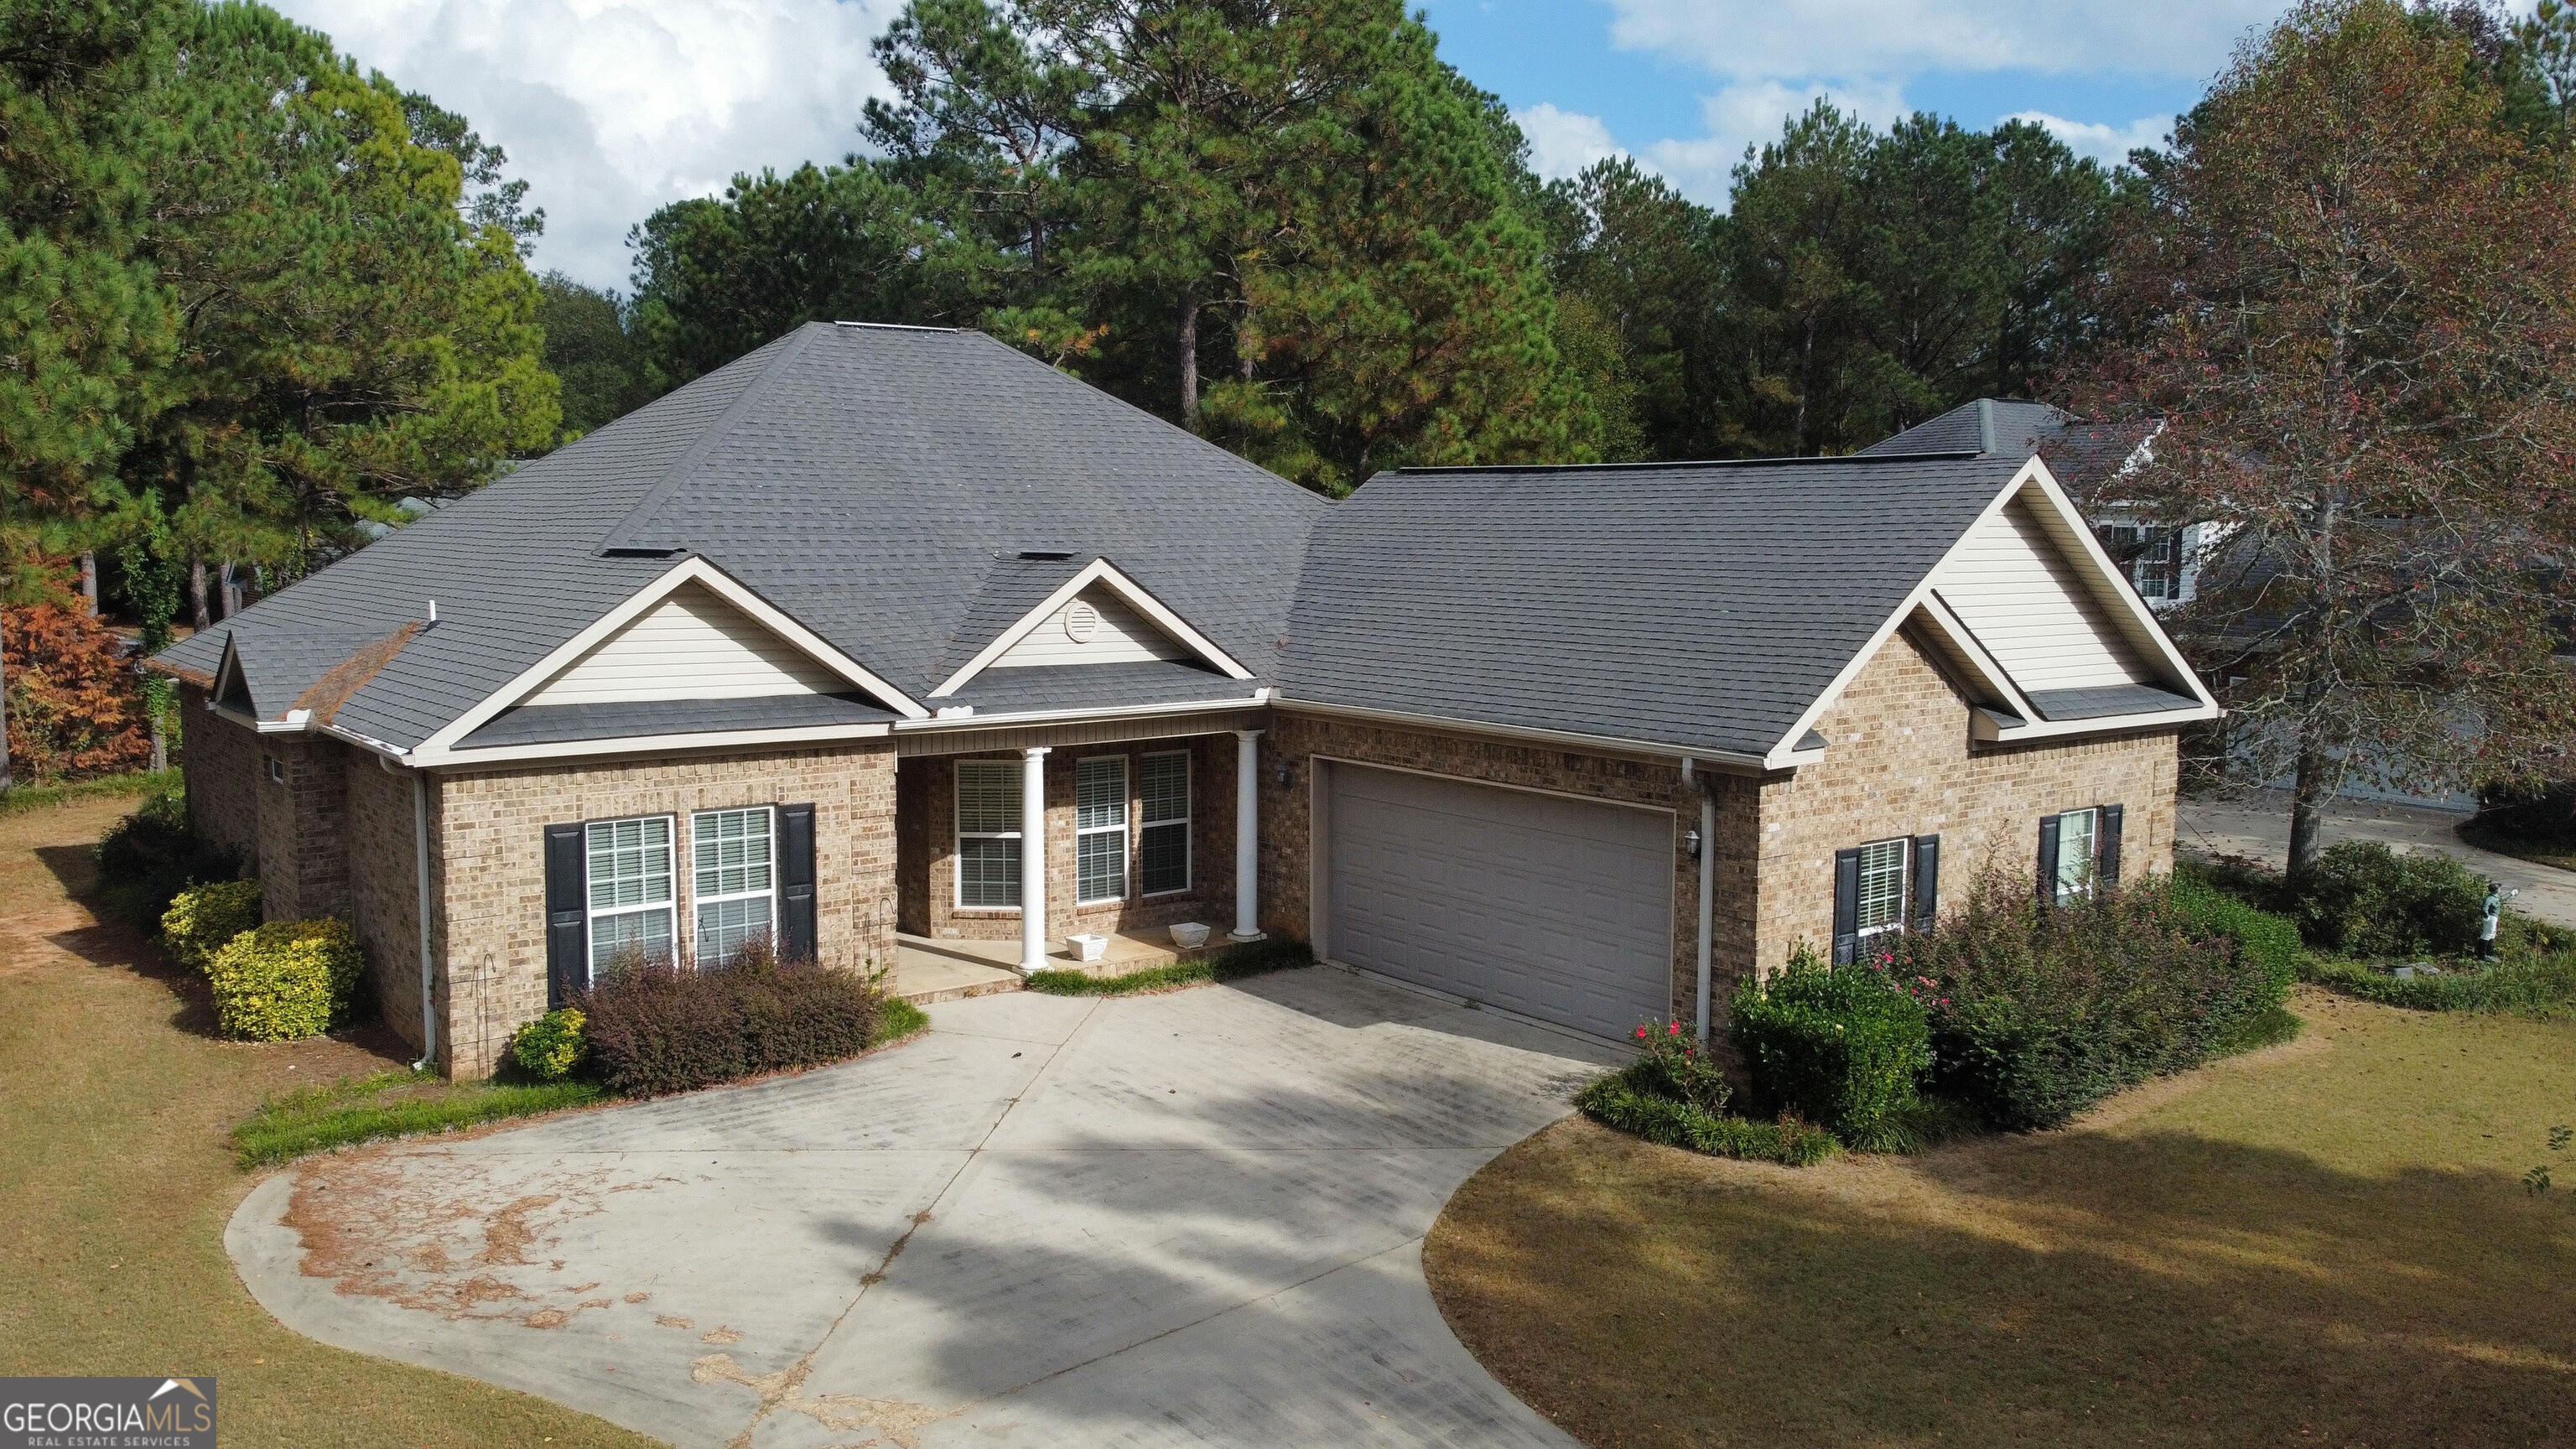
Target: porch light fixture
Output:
[(1690, 843), (1287, 772)]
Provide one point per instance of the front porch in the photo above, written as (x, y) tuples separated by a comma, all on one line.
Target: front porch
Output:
[(929, 969)]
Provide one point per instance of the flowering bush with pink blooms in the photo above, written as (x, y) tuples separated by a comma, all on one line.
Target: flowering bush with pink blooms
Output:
[(1671, 1063)]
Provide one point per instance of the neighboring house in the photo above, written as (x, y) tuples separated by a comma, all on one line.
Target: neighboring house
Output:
[(885, 629)]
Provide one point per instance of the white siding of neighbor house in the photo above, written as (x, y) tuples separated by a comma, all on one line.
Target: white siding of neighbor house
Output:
[(2013, 586), (692, 645), (1122, 637)]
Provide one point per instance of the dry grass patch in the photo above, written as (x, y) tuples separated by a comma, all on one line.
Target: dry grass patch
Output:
[(117, 1176), (2324, 1242)]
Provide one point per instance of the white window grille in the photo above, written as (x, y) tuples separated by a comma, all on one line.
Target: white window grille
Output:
[(736, 897), (1163, 844), (2078, 837), (630, 888), (1100, 829), (988, 833), (1882, 887)]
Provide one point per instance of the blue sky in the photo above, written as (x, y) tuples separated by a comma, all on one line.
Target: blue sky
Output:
[(611, 108)]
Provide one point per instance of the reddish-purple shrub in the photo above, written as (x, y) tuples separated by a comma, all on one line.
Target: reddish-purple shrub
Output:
[(655, 1028)]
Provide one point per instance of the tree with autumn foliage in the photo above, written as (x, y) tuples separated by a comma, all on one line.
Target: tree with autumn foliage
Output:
[(2351, 300), (75, 705)]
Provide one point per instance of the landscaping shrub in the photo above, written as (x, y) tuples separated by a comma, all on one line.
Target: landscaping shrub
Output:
[(655, 1028), (286, 979), (1840, 1045), (2536, 974), (1616, 1101), (549, 1047), (1671, 1064), (147, 858), (2267, 940), (2363, 899), (2044, 1010), (204, 919), (2542, 816), (75, 705)]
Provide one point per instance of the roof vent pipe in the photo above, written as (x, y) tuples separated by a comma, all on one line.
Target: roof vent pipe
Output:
[(433, 611), (1985, 425)]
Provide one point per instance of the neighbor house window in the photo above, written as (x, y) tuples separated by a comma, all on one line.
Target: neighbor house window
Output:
[(735, 898), (1882, 887), (1163, 845), (2078, 838), (1100, 828), (630, 888), (2153, 557), (988, 833)]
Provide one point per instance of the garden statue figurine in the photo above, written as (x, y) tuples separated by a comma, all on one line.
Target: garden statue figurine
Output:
[(2487, 925)]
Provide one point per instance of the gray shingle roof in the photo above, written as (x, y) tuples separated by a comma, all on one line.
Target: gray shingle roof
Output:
[(863, 479), (2081, 455), (2103, 701), (1093, 686), (1695, 605)]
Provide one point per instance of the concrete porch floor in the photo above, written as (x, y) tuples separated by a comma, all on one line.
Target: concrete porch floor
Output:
[(929, 969)]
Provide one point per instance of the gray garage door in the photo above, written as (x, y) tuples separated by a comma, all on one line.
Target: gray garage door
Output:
[(1555, 908)]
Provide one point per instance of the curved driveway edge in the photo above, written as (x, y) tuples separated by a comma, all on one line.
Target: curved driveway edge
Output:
[(1193, 1218)]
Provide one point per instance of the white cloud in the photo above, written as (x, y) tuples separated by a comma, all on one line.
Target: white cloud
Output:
[(611, 108), (2109, 145), (1562, 143), (1752, 113), (1761, 39)]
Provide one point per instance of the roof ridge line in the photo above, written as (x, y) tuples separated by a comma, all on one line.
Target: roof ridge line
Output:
[(1684, 463), (621, 535)]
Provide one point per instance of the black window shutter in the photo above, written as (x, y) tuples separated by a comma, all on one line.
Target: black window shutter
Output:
[(796, 881), (2048, 859), (1927, 881), (2106, 862), (567, 914), (1846, 906)]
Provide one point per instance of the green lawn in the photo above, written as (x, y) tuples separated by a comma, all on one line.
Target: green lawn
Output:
[(2326, 1242), (117, 1174)]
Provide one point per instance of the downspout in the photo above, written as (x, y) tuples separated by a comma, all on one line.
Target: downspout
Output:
[(1707, 891)]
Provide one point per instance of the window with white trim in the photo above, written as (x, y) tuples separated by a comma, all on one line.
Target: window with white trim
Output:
[(1882, 887), (630, 888), (2079, 835), (988, 833), (1163, 839), (1100, 829), (735, 895)]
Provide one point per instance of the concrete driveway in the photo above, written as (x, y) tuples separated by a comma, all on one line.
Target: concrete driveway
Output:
[(1193, 1218)]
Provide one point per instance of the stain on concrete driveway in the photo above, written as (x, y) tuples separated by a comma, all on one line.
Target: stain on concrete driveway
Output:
[(1193, 1218)]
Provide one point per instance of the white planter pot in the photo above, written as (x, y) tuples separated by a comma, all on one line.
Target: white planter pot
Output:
[(1086, 947), (1189, 935)]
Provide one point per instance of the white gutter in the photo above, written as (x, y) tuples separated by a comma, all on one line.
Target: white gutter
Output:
[(973, 721)]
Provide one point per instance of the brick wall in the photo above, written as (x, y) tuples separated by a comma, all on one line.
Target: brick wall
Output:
[(488, 865), (1901, 763), (303, 823), (1287, 816), (383, 893), (223, 774), (929, 870)]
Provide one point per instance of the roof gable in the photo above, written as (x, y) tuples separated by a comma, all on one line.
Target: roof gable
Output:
[(692, 644), (1095, 616)]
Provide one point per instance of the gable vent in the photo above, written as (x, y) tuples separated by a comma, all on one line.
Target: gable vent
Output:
[(1081, 621)]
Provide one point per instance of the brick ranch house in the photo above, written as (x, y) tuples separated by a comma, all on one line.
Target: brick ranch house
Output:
[(883, 629)]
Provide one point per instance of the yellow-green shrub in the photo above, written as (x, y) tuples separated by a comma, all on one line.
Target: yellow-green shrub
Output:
[(204, 919), (286, 979), (549, 1047)]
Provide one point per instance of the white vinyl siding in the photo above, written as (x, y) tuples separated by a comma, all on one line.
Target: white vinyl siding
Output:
[(1882, 887), (630, 887), (2013, 586), (735, 897), (1118, 635), (2078, 837), (1163, 838), (988, 834), (692, 645), (1100, 829)]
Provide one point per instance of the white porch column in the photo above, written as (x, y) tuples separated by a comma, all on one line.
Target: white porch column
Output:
[(1247, 836), (1033, 879)]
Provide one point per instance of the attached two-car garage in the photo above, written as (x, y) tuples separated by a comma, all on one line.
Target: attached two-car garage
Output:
[(1554, 907)]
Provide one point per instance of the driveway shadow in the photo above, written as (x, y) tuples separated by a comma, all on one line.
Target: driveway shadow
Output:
[(1345, 998)]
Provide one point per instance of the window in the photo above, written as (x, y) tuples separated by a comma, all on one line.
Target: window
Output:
[(988, 833), (1163, 849), (2078, 833), (1100, 829), (2153, 557), (1882, 887), (630, 888), (736, 898)]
